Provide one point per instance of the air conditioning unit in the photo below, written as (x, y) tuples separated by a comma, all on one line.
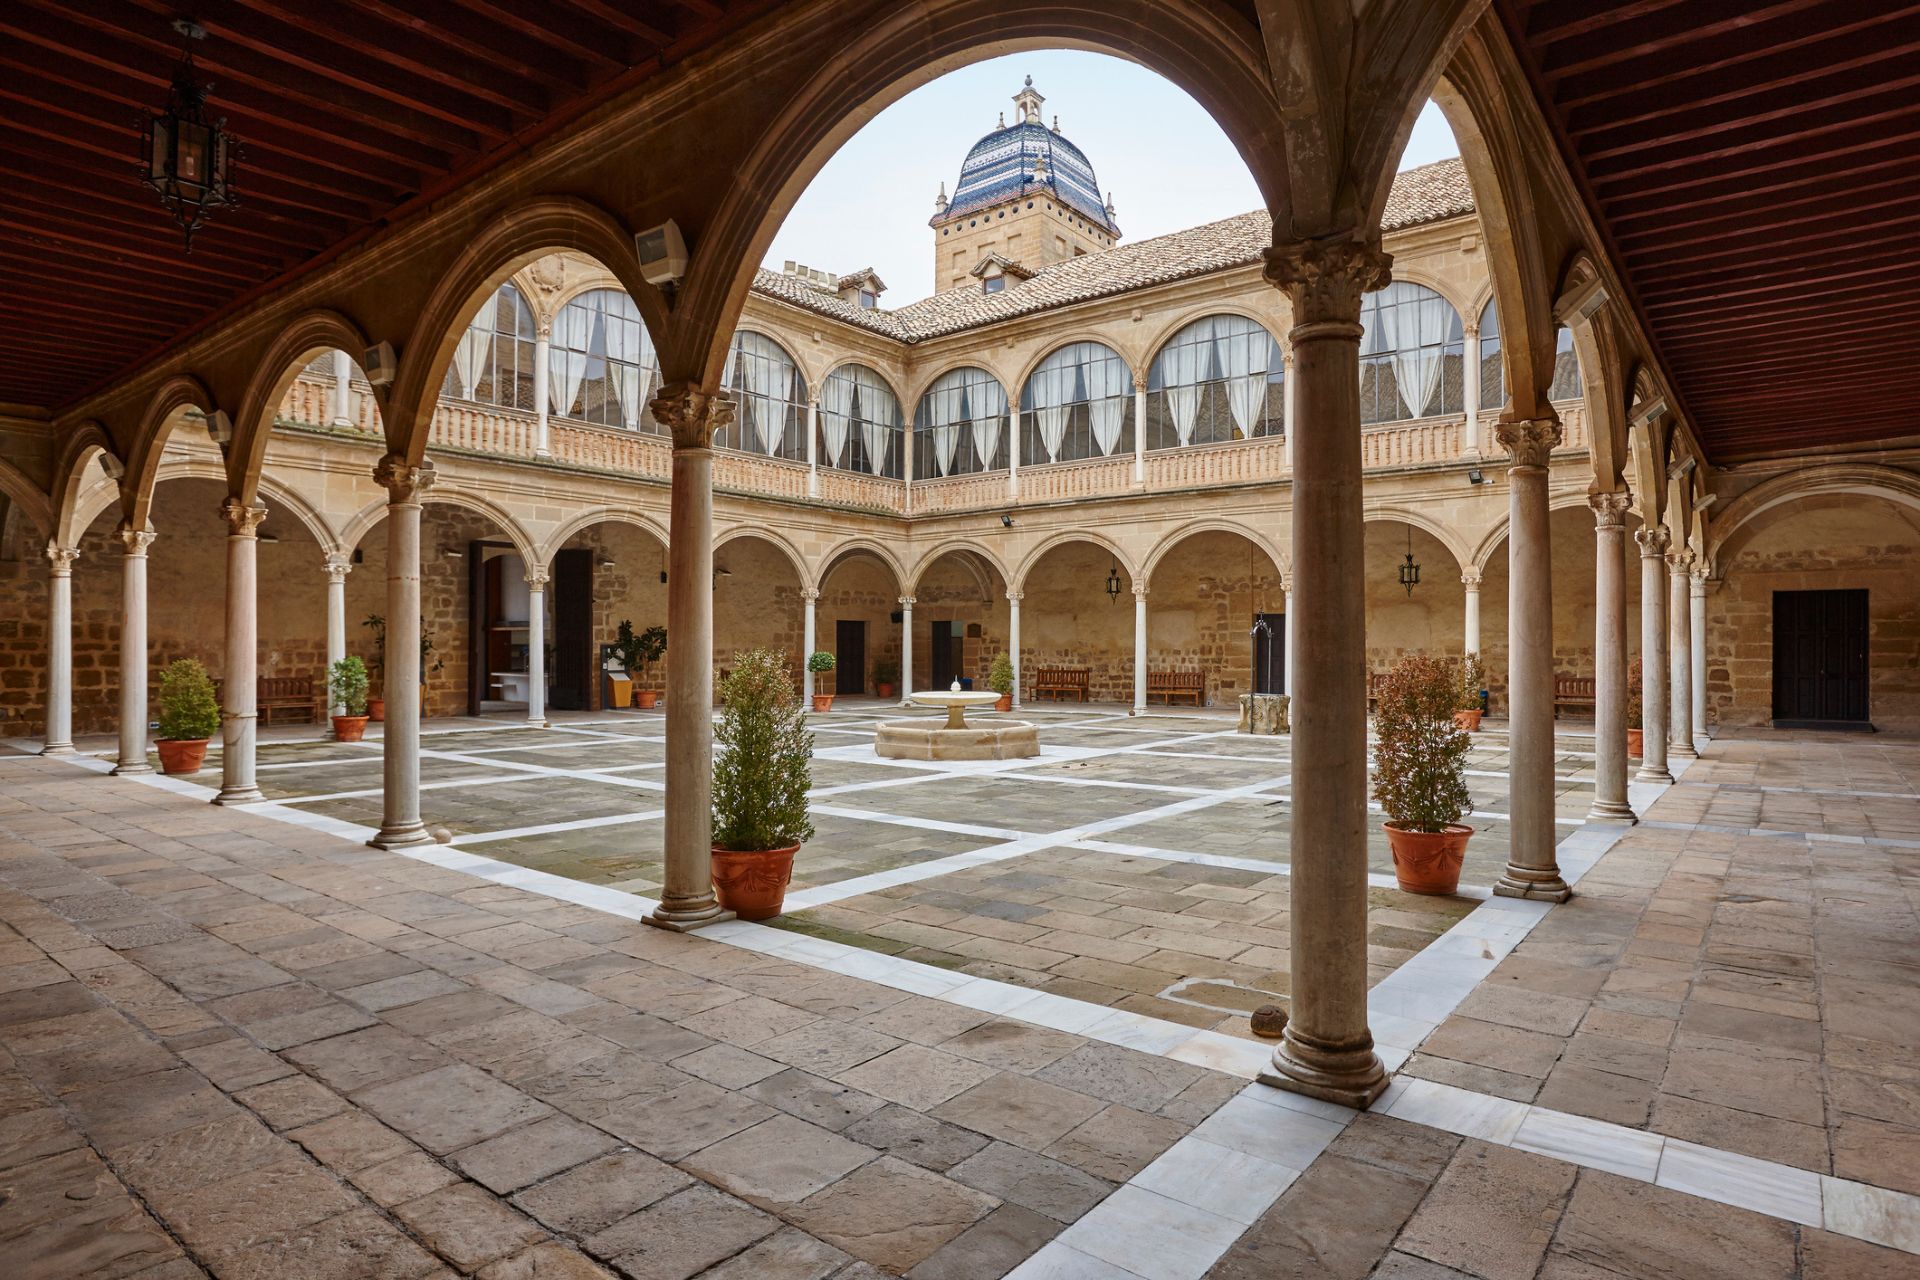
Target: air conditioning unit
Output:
[(112, 466), (220, 428), (379, 362), (663, 254)]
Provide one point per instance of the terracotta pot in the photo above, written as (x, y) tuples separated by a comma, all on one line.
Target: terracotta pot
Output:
[(1428, 861), (823, 702), (1005, 703), (376, 709), (1636, 743), (181, 755), (882, 690), (753, 883), (647, 699), (349, 728), (1468, 720)]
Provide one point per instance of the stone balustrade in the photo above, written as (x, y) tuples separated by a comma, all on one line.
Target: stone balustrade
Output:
[(959, 493), (1421, 443), (1261, 460)]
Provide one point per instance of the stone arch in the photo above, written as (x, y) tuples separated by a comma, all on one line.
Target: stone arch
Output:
[(981, 360), (82, 445), (858, 545), (26, 498), (1018, 581), (1445, 535), (1282, 564), (279, 365), (1040, 357), (517, 236), (1603, 380), (364, 520), (888, 380), (1495, 536), (1150, 350), (279, 496), (598, 515), (969, 546), (1901, 488), (162, 415), (776, 540)]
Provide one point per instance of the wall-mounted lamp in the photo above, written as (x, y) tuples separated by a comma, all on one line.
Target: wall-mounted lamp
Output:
[(1006, 522), (1476, 476)]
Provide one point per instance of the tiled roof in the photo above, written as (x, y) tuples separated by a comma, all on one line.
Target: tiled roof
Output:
[(1427, 194)]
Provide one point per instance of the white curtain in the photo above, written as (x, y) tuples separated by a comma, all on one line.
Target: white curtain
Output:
[(945, 410), (567, 356), (1109, 388), (988, 410), (1245, 366), (769, 377), (836, 406), (1052, 387), (1415, 328), (878, 411), (470, 357), (623, 363), (1183, 369)]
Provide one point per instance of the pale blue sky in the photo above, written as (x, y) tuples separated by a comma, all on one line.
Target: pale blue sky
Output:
[(1166, 163)]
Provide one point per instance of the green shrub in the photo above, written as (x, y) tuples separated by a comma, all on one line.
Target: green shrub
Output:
[(1473, 678), (886, 671), (1000, 674), (819, 662), (1420, 759), (763, 771), (188, 709), (347, 686), (653, 646)]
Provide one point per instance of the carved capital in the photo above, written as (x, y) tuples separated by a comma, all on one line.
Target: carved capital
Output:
[(243, 519), (810, 594), (906, 602), (1470, 579), (1609, 509), (1653, 540), (1470, 328), (1139, 383), (1326, 279), (134, 542), (1015, 597), (690, 415), (338, 565), (61, 558), (403, 483), (1528, 441), (537, 579), (1139, 591), (1681, 560)]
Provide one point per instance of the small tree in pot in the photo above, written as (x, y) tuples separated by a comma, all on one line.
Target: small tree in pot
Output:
[(760, 782), (649, 648), (1473, 679), (347, 688), (820, 664), (1636, 710), (626, 647), (1000, 680), (886, 673), (1420, 774), (376, 623), (189, 716)]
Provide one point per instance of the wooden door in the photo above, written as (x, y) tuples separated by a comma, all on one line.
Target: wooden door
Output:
[(946, 643), (573, 647), (1820, 657), (1270, 653), (849, 656)]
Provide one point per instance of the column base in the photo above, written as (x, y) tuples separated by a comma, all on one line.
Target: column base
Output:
[(1349, 1077), (688, 918), (248, 794), (130, 768), (1530, 883), (401, 835), (1650, 774), (1615, 812), (1682, 753), (58, 749)]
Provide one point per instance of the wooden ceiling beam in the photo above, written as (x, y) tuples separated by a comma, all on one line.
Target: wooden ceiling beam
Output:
[(1730, 26), (484, 41), (558, 28)]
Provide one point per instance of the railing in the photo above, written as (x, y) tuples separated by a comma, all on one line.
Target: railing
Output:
[(858, 489), (960, 493), (1068, 481), (1573, 426), (1261, 460), (1413, 444), (753, 473)]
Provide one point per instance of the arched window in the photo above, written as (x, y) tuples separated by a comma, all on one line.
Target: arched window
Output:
[(960, 425), (860, 422), (601, 364), (1493, 370), (493, 364), (1220, 378), (772, 418), (1076, 405), (1566, 367), (1410, 355)]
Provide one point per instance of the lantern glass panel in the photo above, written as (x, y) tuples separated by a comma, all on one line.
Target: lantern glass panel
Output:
[(195, 142), (159, 147)]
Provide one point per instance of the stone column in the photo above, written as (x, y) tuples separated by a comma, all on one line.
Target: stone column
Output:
[(691, 417), (813, 459), (1286, 665), (1680, 655), (1610, 658), (1140, 429), (1013, 450), (342, 389), (1327, 1051), (810, 597), (1470, 392), (1533, 871), (1470, 638), (133, 651), (400, 823), (1013, 640), (1287, 400), (906, 649), (339, 565), (1139, 648), (537, 648), (542, 379), (1653, 655), (239, 718), (1699, 650), (59, 740)]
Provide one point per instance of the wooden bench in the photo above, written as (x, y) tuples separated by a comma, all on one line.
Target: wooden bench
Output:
[(286, 697), (1185, 685), (1573, 692), (1058, 683)]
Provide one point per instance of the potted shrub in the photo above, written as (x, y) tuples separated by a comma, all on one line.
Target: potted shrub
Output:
[(189, 716), (760, 784), (1473, 678), (886, 674), (377, 707), (626, 648), (820, 664), (1000, 680), (347, 687), (652, 646), (1636, 707), (1420, 774)]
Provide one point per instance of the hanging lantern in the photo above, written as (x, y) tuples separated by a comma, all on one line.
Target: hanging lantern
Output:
[(1410, 571), (185, 157), (1113, 583)]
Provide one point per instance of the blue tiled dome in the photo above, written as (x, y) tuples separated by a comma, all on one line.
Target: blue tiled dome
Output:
[(1028, 157)]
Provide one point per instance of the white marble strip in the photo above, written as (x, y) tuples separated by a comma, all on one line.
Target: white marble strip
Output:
[(553, 828), (365, 792)]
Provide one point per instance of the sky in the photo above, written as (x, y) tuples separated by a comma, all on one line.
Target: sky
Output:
[(1166, 163)]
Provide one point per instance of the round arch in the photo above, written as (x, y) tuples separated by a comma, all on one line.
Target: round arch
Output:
[(921, 385), (280, 364), (1282, 564), (1040, 358), (363, 520), (1150, 350), (26, 498), (85, 443), (99, 498), (933, 555), (1446, 536), (1901, 488), (163, 412), (892, 384), (599, 515), (1027, 562), (772, 539), (855, 546), (1488, 544)]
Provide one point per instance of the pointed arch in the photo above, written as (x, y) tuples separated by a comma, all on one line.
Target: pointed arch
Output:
[(280, 364), (1583, 307), (26, 498), (162, 415)]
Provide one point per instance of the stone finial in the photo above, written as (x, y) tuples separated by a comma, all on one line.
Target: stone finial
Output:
[(403, 481), (690, 415), (134, 542), (1610, 509), (243, 518), (61, 558), (1325, 280), (1653, 540), (338, 565), (1529, 441), (940, 201)]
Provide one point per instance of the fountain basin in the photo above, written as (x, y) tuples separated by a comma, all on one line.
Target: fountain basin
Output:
[(930, 739)]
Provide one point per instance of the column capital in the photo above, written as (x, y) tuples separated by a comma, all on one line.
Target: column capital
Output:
[(690, 415), (134, 542), (403, 481), (537, 579), (1610, 509), (1653, 540), (1286, 584), (1326, 280), (1015, 597), (61, 558), (1139, 591), (1681, 560), (906, 602), (1529, 441), (810, 594), (1139, 382), (338, 564), (1703, 579), (1470, 579), (243, 519), (1470, 328)]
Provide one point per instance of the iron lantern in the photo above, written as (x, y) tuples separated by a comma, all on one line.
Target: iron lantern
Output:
[(1410, 570), (1113, 583), (186, 158)]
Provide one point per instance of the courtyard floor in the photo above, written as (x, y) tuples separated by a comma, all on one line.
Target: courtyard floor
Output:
[(1002, 1027)]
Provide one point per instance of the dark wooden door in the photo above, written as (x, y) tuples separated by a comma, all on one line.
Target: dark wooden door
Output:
[(1270, 653), (478, 631), (1820, 657), (849, 656), (946, 645), (572, 629)]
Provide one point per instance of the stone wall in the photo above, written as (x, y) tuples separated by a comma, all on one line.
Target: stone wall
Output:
[(861, 589), (1200, 607)]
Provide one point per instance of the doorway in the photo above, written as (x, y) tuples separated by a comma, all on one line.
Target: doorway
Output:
[(946, 645), (1820, 659), (849, 656), (1269, 653), (572, 629)]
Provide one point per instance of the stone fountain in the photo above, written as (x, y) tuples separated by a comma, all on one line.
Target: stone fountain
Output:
[(955, 739)]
